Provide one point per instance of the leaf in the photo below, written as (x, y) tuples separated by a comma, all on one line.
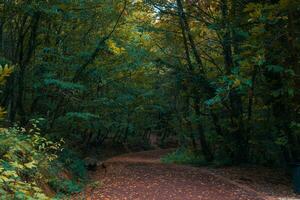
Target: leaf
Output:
[(276, 93), (82, 115), (5, 71), (30, 165), (275, 68), (64, 85)]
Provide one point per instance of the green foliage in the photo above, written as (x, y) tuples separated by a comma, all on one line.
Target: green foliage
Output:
[(73, 163), (63, 85), (81, 116), (5, 72), (65, 186), (25, 157), (185, 156), (223, 80)]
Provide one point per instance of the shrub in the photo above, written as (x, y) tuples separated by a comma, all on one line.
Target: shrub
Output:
[(25, 157), (73, 163), (185, 156)]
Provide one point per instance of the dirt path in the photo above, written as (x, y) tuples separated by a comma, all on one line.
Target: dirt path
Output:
[(140, 176)]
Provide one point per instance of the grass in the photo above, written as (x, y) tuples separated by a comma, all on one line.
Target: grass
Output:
[(184, 156)]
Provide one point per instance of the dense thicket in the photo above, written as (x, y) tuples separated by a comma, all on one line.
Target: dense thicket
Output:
[(221, 76), (236, 69)]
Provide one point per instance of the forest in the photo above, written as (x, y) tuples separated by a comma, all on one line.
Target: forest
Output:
[(213, 82)]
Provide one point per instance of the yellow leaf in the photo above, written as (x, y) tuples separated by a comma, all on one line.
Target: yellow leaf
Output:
[(30, 165)]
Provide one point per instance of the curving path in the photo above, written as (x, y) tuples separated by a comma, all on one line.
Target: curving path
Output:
[(141, 176)]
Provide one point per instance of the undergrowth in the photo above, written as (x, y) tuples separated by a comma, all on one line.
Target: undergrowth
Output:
[(30, 164), (185, 156)]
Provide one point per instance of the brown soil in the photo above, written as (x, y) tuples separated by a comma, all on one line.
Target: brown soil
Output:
[(141, 176), (271, 182)]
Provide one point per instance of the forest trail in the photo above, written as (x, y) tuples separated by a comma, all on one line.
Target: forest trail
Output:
[(141, 176)]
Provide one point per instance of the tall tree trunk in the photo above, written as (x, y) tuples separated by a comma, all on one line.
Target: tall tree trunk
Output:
[(251, 94), (241, 153), (24, 60), (203, 141), (187, 37), (281, 103)]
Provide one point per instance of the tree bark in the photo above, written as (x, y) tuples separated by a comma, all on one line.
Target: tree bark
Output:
[(241, 153)]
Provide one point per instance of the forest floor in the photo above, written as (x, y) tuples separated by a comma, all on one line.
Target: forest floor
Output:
[(141, 176), (274, 183)]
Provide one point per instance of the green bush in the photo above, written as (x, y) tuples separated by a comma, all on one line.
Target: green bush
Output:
[(185, 156), (25, 157), (73, 163), (65, 186)]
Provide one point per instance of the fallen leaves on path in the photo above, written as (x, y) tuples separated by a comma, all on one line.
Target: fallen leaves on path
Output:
[(140, 176)]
